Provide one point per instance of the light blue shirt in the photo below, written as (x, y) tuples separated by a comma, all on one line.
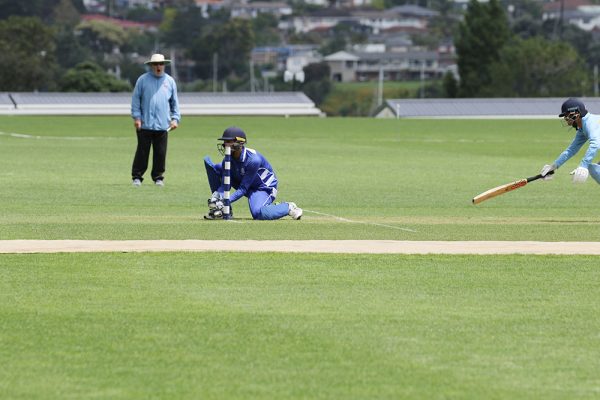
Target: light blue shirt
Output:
[(590, 130), (155, 102)]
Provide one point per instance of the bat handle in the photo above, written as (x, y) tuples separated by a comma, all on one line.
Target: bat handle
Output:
[(538, 176)]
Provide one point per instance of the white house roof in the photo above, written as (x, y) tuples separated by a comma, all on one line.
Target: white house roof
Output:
[(341, 56), (190, 103), (415, 10)]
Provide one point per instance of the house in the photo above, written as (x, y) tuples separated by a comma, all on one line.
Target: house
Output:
[(581, 13), (277, 56), (408, 19), (251, 10), (123, 23), (409, 65), (342, 66)]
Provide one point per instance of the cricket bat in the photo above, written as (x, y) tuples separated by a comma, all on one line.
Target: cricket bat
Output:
[(508, 187)]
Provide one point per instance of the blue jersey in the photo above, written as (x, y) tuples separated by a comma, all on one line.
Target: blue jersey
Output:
[(250, 173), (590, 130)]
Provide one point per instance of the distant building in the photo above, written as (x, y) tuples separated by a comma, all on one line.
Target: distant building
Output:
[(409, 65), (581, 13), (278, 56), (343, 66), (123, 23), (251, 10), (413, 20)]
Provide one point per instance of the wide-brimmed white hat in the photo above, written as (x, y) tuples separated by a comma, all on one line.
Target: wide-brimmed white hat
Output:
[(157, 58)]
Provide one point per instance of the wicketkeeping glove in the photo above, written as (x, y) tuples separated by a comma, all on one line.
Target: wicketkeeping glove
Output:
[(215, 204)]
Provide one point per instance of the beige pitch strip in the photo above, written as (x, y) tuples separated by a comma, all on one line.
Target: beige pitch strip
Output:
[(302, 246)]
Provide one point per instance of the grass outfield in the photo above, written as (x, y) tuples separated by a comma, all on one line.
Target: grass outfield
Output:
[(356, 179), (271, 326), (230, 325)]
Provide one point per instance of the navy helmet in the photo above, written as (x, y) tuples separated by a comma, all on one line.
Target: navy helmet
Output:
[(572, 105), (235, 134)]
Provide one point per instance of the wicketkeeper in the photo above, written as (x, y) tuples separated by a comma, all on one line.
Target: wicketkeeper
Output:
[(251, 175), (587, 128)]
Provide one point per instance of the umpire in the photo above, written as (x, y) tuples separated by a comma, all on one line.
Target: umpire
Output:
[(155, 111)]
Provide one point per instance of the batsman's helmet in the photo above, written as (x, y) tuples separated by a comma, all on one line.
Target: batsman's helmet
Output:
[(572, 105), (235, 134)]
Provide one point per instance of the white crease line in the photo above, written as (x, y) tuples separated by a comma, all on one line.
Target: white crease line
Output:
[(37, 137), (360, 222)]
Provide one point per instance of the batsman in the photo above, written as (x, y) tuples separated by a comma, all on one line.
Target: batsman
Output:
[(587, 128), (251, 175)]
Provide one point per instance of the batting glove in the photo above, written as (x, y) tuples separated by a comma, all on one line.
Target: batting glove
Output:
[(545, 172), (580, 174)]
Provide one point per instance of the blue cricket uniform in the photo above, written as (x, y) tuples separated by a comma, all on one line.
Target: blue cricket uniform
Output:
[(253, 177), (590, 131)]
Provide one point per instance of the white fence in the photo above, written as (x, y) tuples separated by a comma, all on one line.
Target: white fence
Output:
[(197, 103)]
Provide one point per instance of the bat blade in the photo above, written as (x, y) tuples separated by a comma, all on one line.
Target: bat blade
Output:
[(497, 191)]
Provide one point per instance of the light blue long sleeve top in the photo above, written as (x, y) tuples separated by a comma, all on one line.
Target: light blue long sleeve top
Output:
[(154, 101), (590, 130)]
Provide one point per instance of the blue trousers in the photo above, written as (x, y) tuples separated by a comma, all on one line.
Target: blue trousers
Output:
[(595, 171), (260, 201)]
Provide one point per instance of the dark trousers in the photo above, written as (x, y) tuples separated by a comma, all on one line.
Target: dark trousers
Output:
[(158, 141)]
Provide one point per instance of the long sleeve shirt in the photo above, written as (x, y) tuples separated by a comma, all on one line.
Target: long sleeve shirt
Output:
[(590, 131), (250, 173), (154, 101)]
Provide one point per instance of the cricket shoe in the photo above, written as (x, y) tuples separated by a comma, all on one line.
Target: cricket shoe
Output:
[(136, 182), (159, 183), (294, 211)]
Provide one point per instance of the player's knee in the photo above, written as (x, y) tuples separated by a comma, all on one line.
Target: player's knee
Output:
[(210, 166), (257, 213)]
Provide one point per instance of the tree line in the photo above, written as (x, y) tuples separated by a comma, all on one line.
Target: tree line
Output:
[(45, 45), (528, 58)]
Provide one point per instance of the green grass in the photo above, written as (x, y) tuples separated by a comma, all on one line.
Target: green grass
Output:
[(410, 86), (296, 326), (360, 98), (237, 326), (73, 182)]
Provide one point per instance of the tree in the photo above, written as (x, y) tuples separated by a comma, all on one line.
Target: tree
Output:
[(265, 30), (538, 68), (450, 85), (27, 52), (317, 83), (69, 50), (181, 26), (232, 43), (26, 8), (90, 77), (482, 35), (101, 36), (65, 13)]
